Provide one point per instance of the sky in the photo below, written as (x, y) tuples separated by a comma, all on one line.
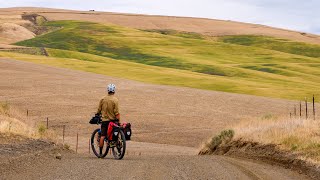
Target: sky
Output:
[(288, 14)]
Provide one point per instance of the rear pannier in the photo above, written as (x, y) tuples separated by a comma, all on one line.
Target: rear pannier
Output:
[(127, 130), (113, 131)]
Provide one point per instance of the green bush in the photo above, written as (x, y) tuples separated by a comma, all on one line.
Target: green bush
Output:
[(42, 129), (223, 138)]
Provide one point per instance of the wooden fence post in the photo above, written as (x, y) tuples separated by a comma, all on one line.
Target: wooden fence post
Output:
[(89, 145), (64, 128), (77, 143), (295, 111), (314, 109), (300, 110), (306, 107), (47, 123)]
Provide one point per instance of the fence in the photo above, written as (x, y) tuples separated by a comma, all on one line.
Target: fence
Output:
[(307, 116)]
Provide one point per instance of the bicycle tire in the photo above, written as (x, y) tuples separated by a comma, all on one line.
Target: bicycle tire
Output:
[(118, 155), (94, 148)]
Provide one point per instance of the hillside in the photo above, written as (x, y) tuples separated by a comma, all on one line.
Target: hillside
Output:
[(204, 26), (248, 69)]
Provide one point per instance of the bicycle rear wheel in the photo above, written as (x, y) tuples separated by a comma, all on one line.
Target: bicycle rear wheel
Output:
[(120, 148), (95, 141)]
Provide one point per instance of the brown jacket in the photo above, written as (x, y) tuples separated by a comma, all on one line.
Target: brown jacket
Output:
[(109, 108)]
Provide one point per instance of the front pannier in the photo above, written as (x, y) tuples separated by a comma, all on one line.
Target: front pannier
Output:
[(96, 119)]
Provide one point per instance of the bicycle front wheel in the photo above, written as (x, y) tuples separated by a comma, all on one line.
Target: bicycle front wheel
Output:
[(120, 148), (95, 141)]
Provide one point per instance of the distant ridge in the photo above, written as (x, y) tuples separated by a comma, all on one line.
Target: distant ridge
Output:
[(204, 26)]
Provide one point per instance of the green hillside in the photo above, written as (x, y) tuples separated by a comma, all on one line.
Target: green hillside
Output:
[(282, 45), (218, 65)]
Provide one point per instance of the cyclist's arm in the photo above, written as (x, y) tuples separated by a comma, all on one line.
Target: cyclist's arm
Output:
[(118, 116), (116, 109)]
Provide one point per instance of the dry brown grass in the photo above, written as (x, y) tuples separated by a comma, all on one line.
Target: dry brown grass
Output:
[(10, 33), (13, 122), (297, 135)]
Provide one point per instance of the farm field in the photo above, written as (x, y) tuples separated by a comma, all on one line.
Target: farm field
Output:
[(223, 65)]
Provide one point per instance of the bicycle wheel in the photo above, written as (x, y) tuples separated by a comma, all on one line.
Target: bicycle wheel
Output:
[(120, 148), (95, 141)]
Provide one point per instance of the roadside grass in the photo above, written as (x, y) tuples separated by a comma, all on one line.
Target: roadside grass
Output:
[(13, 122), (224, 137), (297, 135), (277, 44)]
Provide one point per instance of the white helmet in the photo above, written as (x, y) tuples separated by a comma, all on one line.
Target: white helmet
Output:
[(111, 88)]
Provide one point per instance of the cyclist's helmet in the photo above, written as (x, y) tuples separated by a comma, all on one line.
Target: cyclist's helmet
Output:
[(111, 88)]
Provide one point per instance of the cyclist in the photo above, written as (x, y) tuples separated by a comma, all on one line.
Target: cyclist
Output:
[(109, 110)]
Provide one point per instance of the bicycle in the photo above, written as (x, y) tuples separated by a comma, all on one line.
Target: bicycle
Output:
[(118, 146)]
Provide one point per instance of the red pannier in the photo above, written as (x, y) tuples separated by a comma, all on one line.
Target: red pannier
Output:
[(113, 131)]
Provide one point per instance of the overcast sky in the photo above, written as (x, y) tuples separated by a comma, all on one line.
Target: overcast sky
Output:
[(290, 14)]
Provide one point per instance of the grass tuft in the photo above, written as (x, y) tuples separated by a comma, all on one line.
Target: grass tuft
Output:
[(42, 129), (5, 108), (223, 138)]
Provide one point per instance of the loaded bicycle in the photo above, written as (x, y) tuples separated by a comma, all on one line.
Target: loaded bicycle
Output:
[(116, 140)]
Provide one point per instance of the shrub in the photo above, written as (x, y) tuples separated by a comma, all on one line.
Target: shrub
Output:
[(42, 129), (223, 138)]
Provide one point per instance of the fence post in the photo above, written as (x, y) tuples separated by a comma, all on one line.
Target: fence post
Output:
[(89, 145), (47, 123), (64, 128), (27, 112), (314, 109), (77, 143), (306, 107), (300, 110), (295, 111)]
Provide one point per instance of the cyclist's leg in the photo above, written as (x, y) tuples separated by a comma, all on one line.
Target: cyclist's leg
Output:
[(104, 130)]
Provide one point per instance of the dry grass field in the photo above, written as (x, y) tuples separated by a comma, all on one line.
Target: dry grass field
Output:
[(297, 135)]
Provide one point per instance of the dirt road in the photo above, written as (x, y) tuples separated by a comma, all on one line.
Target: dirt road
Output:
[(182, 117), (150, 167)]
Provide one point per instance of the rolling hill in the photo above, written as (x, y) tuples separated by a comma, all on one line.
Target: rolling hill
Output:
[(193, 52), (263, 67), (211, 27)]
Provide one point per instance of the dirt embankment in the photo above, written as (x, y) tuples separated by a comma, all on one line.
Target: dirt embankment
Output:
[(15, 27), (10, 33), (269, 153), (18, 151)]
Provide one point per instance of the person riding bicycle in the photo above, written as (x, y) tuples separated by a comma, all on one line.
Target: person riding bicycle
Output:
[(109, 110)]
